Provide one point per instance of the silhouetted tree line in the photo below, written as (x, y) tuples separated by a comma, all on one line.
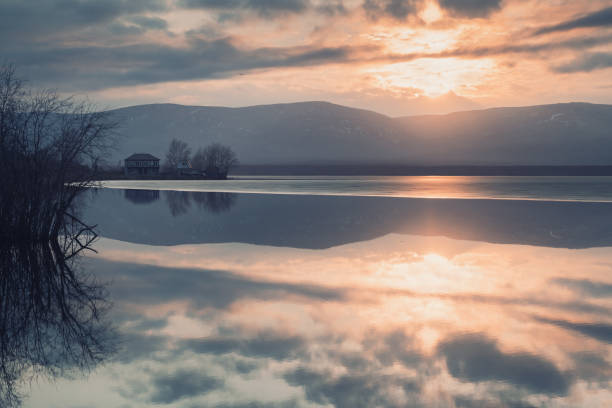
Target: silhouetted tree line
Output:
[(50, 148), (215, 160), (51, 312)]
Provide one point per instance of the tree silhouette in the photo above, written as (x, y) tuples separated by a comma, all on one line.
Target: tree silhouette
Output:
[(50, 148), (216, 159), (178, 151), (52, 313)]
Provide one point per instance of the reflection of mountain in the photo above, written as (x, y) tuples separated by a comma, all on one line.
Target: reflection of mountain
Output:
[(324, 221)]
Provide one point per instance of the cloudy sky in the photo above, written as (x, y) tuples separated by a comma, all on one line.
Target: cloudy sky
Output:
[(393, 56)]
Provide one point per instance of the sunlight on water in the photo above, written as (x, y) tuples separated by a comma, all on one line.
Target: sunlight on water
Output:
[(594, 189), (401, 318), (312, 301)]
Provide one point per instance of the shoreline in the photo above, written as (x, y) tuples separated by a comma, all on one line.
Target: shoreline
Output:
[(419, 170)]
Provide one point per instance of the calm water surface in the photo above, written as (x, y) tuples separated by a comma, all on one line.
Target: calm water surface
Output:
[(261, 300), (503, 187)]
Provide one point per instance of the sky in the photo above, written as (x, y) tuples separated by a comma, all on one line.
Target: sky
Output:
[(397, 57)]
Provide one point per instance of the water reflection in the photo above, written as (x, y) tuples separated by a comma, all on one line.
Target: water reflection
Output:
[(179, 202), (325, 221), (52, 313), (397, 321), (404, 302), (141, 196)]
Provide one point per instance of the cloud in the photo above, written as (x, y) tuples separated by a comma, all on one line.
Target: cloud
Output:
[(591, 366), (470, 402), (34, 19), (139, 25), (402, 9), (150, 23), (476, 358), (148, 284), (169, 388), (331, 8), (397, 346), (597, 331), (257, 404), (136, 346), (505, 49), (152, 63), (586, 63), (237, 365), (470, 8), (601, 18), (265, 344), (264, 8), (349, 390), (97, 67), (586, 287), (397, 9)]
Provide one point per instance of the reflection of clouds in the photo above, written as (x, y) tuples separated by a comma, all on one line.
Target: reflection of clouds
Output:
[(265, 344), (476, 358), (352, 389), (470, 402), (168, 388), (375, 323), (396, 266), (592, 367), (202, 288), (138, 346), (586, 286), (596, 330)]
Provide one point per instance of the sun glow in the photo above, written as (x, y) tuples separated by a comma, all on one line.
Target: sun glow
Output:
[(433, 77), (431, 13)]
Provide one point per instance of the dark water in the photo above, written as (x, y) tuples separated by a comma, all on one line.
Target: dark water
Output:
[(256, 300)]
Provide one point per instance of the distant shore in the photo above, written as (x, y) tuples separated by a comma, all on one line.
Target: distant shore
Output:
[(121, 176), (405, 170), (381, 170)]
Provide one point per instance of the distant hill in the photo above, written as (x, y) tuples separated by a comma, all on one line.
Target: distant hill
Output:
[(559, 134), (325, 133)]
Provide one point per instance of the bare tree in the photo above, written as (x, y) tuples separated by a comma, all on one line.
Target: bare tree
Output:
[(198, 161), (177, 152), (50, 149), (216, 159), (51, 314)]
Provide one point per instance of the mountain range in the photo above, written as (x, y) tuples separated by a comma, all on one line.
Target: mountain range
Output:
[(324, 133)]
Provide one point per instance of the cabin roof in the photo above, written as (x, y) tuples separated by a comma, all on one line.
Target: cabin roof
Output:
[(142, 156)]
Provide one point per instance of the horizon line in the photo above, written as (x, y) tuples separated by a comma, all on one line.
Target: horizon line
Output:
[(351, 107)]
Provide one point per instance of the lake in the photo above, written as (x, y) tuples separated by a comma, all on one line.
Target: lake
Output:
[(351, 292)]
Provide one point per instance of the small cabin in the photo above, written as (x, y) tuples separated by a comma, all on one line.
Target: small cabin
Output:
[(141, 164)]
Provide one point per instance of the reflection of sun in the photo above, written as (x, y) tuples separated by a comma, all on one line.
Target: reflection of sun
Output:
[(433, 77)]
